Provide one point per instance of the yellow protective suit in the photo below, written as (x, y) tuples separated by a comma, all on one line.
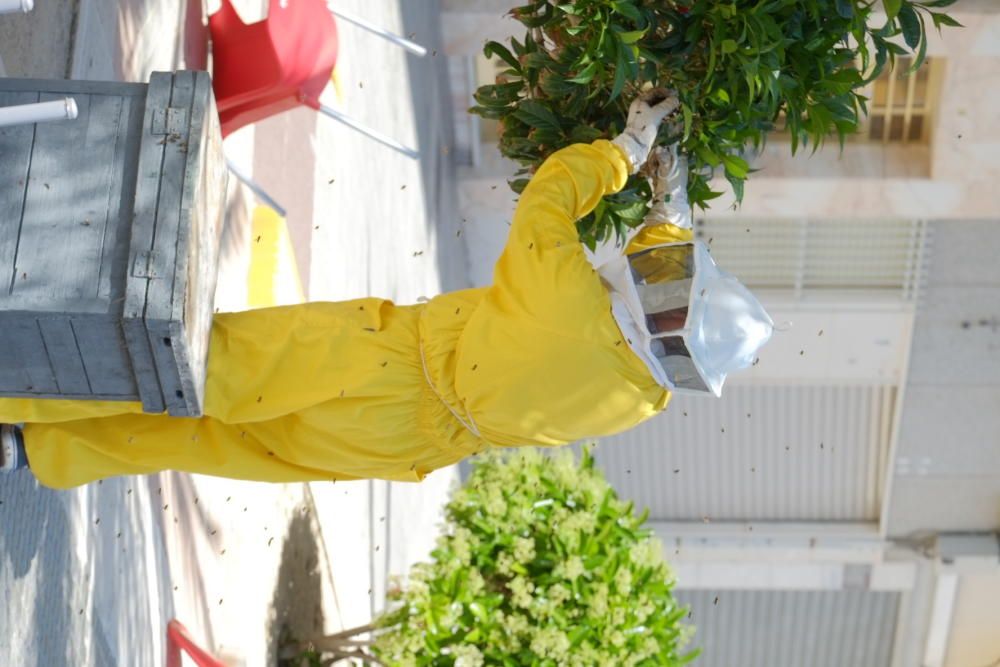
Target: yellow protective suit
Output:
[(368, 389)]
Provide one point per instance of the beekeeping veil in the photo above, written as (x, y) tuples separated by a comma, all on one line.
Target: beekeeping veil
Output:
[(702, 322)]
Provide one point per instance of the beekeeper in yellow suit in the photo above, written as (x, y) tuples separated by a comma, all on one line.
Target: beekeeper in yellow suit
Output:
[(566, 344)]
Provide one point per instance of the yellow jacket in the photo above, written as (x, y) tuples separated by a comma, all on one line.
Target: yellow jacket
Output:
[(366, 388), (541, 360)]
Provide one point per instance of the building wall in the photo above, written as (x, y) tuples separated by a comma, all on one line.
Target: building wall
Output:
[(974, 625), (936, 351)]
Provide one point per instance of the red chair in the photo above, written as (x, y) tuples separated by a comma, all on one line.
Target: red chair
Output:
[(264, 68), (179, 641)]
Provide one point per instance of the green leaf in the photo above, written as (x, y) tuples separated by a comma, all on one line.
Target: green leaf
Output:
[(910, 23), (556, 86), (939, 3), (896, 49), (892, 8), (538, 60), (735, 165), (585, 134), (496, 48), (737, 184), (729, 46), (712, 57), (688, 121), (707, 155), (537, 20), (628, 9), (621, 66), (845, 8), (518, 184), (689, 657), (586, 74), (921, 52), (631, 37), (536, 114), (570, 9), (633, 212), (943, 19), (600, 208)]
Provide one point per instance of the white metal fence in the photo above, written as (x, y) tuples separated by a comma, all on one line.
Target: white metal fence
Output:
[(808, 256)]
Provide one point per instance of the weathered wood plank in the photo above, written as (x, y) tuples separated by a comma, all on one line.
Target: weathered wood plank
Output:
[(15, 160), (124, 169), (72, 87), (169, 260), (13, 376), (65, 356), (207, 204), (198, 244), (150, 164), (25, 364), (170, 243), (107, 360), (66, 204), (67, 397)]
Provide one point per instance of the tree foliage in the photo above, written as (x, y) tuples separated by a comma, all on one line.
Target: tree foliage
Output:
[(737, 66)]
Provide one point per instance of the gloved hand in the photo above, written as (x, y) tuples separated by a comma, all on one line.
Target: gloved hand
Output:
[(668, 174), (645, 114)]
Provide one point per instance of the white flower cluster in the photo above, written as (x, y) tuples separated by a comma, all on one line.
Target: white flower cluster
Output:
[(524, 550), (505, 564), (475, 582), (494, 503), (551, 643), (598, 603), (402, 647), (516, 515), (462, 544), (467, 655), (569, 569), (647, 553), (521, 590), (623, 581), (559, 594)]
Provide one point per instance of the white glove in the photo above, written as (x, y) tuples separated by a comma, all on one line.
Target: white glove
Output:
[(669, 178), (644, 117)]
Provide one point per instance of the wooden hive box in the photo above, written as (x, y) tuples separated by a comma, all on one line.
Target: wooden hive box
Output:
[(109, 239)]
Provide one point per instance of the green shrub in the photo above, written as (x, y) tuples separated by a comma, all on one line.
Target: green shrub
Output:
[(540, 564), (735, 65)]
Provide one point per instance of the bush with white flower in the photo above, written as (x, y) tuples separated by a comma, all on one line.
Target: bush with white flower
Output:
[(540, 564)]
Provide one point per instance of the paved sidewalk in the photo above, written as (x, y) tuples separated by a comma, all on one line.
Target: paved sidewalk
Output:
[(93, 575), (84, 574), (367, 220)]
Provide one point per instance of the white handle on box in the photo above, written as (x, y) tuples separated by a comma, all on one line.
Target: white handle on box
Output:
[(8, 6), (40, 112)]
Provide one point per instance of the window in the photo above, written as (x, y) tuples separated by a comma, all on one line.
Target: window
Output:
[(807, 258), (900, 106)]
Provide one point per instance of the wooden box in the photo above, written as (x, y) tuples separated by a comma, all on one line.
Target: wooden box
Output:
[(109, 238)]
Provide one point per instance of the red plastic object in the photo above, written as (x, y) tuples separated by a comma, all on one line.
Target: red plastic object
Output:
[(264, 68), (179, 640)]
